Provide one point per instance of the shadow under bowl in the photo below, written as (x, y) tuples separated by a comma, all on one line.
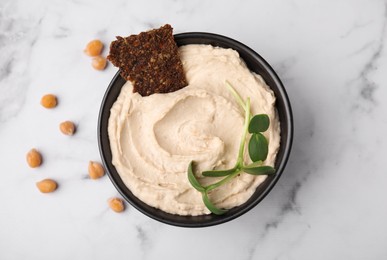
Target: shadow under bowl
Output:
[(256, 64)]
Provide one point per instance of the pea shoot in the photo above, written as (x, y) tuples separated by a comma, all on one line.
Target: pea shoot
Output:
[(257, 148)]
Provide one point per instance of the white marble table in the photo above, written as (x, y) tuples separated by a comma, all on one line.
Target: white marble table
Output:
[(330, 203)]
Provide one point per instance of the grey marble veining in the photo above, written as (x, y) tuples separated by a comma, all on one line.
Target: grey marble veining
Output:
[(330, 202), (16, 41), (367, 85)]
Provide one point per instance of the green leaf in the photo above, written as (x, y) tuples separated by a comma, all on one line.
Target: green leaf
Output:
[(192, 179), (259, 123), (212, 207), (259, 170), (258, 147), (254, 164), (218, 173)]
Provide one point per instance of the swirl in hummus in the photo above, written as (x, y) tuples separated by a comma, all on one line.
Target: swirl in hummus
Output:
[(154, 138)]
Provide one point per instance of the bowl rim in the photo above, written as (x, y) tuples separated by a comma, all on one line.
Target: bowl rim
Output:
[(287, 145)]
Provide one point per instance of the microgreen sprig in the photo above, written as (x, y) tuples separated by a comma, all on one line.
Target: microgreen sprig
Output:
[(257, 148)]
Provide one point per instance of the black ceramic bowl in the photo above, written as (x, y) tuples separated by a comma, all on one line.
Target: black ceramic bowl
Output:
[(255, 63)]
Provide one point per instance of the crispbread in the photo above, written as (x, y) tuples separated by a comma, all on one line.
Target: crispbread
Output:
[(150, 60)]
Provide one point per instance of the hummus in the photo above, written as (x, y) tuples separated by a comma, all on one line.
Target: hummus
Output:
[(154, 138)]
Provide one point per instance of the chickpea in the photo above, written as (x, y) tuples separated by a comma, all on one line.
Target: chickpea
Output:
[(34, 158), (47, 185), (67, 127), (99, 63), (96, 170), (116, 204), (49, 101), (94, 48)]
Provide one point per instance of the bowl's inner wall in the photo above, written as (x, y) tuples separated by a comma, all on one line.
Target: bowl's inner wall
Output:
[(256, 64)]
